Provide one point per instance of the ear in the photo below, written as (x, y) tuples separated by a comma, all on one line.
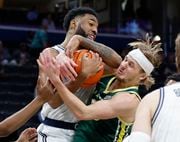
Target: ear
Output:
[(72, 25), (143, 76)]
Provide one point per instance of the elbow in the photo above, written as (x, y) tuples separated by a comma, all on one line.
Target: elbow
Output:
[(83, 112), (116, 64), (81, 116)]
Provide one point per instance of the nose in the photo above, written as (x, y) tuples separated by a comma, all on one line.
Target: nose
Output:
[(124, 64), (94, 30)]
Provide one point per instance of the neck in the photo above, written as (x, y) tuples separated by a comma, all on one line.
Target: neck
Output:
[(67, 39), (117, 84)]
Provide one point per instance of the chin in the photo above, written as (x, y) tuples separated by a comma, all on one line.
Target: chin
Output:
[(119, 77)]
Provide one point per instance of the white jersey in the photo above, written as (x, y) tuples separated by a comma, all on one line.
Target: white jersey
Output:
[(53, 134), (166, 120), (62, 112)]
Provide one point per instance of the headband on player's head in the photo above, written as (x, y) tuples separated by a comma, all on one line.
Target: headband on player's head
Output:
[(141, 59)]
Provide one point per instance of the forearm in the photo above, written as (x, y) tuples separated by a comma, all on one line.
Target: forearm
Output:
[(73, 86), (98, 110), (73, 103), (109, 56), (18, 119)]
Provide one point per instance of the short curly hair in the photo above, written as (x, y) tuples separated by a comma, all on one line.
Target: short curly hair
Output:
[(77, 12)]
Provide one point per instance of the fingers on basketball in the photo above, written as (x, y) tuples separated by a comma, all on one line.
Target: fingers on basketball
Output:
[(77, 57)]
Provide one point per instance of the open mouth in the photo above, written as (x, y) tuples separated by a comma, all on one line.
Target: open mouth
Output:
[(120, 71), (91, 37)]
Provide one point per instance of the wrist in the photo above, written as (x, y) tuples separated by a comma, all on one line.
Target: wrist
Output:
[(40, 100), (55, 80)]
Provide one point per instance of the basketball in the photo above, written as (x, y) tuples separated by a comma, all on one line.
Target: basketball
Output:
[(77, 59)]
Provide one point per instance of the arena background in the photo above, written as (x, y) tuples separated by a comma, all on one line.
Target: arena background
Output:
[(121, 21)]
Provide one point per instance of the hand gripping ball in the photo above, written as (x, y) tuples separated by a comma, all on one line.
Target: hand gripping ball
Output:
[(77, 56)]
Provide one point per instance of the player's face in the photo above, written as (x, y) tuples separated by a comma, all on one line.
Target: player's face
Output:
[(129, 71), (87, 26)]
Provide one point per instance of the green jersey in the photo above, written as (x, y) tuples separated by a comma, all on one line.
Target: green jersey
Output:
[(104, 130)]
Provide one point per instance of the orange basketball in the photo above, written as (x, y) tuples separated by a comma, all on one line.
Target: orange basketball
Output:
[(77, 59)]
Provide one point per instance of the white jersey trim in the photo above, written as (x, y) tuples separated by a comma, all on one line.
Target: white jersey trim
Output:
[(160, 104), (59, 48)]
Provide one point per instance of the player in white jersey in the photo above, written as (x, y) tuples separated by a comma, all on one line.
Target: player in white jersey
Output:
[(157, 118), (58, 122), (165, 121)]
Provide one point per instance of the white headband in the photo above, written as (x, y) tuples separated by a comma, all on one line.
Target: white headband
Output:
[(141, 59)]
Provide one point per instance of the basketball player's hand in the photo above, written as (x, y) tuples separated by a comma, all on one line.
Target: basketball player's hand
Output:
[(44, 87), (66, 67), (28, 135), (73, 45), (91, 66), (50, 69), (45, 56)]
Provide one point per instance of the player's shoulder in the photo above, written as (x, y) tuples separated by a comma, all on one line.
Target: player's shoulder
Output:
[(150, 102), (58, 48), (151, 97)]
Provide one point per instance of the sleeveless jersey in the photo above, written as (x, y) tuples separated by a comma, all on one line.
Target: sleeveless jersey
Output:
[(166, 120), (62, 112), (104, 130)]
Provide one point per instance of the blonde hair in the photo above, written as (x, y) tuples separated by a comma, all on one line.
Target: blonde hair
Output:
[(150, 47)]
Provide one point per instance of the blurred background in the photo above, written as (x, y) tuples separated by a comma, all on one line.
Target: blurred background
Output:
[(117, 17), (121, 21)]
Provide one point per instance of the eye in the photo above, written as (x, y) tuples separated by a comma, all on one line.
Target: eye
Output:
[(91, 24), (131, 64)]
